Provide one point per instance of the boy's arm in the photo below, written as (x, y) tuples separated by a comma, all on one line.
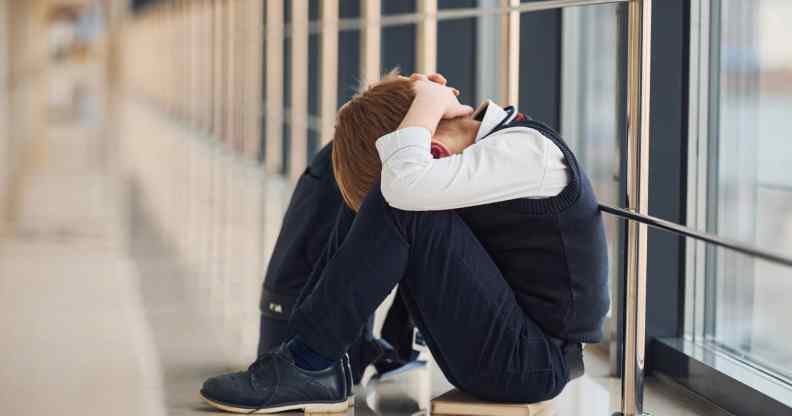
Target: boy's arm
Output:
[(516, 163), (433, 102)]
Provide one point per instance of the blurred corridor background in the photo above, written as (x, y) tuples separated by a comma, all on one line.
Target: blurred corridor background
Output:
[(148, 150)]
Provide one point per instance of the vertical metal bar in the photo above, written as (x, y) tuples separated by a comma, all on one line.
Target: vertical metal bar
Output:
[(195, 68), (274, 102), (253, 99), (510, 54), (697, 173), (241, 59), (185, 59), (176, 53), (225, 71), (370, 44), (205, 47), (299, 88), (6, 151), (328, 77), (426, 37), (209, 65), (217, 69), (231, 134), (169, 21), (638, 89)]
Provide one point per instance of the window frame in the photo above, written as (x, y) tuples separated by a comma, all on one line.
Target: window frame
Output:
[(681, 289)]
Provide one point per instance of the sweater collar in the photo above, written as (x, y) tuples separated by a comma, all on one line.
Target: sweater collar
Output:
[(491, 115)]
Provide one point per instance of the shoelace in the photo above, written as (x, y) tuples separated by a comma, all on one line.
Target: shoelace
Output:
[(260, 362), (259, 365)]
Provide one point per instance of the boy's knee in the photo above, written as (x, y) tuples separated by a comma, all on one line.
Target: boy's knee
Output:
[(413, 222)]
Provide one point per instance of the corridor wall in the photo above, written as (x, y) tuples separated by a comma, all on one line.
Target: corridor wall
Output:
[(190, 104)]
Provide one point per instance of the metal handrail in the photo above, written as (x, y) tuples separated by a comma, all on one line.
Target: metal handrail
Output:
[(697, 235)]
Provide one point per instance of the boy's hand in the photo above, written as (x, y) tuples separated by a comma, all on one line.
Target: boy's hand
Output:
[(434, 77), (433, 94), (433, 101)]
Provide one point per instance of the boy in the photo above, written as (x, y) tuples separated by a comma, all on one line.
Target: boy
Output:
[(497, 245)]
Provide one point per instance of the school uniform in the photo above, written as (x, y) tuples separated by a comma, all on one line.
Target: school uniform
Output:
[(500, 254)]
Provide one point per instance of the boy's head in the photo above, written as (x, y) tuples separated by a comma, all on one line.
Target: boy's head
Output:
[(369, 115), (372, 113)]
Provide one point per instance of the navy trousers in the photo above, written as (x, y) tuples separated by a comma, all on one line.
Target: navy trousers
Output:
[(480, 337), (313, 214), (306, 226)]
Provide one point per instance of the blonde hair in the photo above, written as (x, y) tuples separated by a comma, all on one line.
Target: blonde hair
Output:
[(369, 115)]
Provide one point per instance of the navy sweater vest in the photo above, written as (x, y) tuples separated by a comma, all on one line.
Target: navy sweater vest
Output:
[(552, 251)]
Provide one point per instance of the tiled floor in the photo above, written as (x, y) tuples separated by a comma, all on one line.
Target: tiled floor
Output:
[(97, 315)]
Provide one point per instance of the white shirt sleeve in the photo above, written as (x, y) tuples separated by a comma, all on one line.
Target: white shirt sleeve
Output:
[(513, 163)]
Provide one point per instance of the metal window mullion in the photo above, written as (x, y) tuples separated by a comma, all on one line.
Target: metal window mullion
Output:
[(274, 102), (328, 62), (299, 88), (638, 89), (698, 134), (426, 37), (510, 53), (370, 42)]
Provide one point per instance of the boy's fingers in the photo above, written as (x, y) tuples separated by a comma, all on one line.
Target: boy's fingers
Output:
[(460, 111), (438, 78), (455, 91), (418, 77)]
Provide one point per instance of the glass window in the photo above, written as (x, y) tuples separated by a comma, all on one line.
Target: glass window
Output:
[(590, 105), (348, 64), (456, 55), (458, 4), (747, 194), (391, 7), (348, 9), (398, 48)]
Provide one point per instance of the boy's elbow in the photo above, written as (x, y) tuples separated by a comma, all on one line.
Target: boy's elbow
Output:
[(401, 197)]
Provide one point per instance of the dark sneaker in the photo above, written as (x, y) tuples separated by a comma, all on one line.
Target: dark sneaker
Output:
[(391, 362), (275, 384)]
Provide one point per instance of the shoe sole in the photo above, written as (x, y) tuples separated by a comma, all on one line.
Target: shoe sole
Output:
[(307, 408)]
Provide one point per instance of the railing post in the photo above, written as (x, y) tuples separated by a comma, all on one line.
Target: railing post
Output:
[(274, 86), (298, 154), (426, 37), (638, 88), (510, 54), (328, 64), (371, 13)]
